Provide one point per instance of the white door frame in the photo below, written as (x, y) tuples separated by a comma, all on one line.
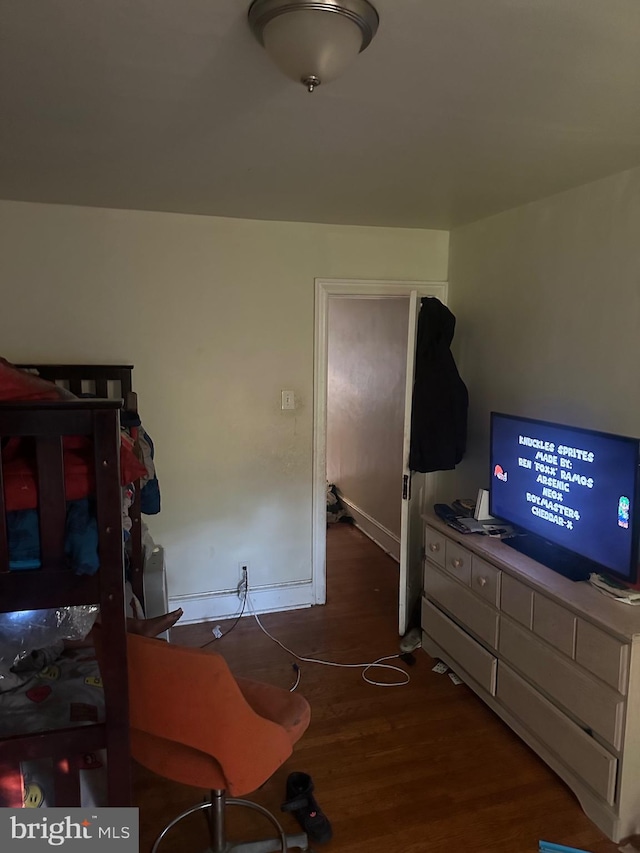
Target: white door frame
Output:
[(353, 288)]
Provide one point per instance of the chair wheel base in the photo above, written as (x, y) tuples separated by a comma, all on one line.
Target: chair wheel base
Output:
[(216, 806)]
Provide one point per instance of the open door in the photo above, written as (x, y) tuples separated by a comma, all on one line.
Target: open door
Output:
[(423, 484), (412, 493)]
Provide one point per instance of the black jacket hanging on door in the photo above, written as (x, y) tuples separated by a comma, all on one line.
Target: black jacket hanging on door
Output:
[(440, 397)]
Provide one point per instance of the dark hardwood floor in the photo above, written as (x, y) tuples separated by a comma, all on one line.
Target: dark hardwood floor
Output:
[(423, 768)]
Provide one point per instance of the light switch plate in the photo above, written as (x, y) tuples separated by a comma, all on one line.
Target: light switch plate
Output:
[(288, 400)]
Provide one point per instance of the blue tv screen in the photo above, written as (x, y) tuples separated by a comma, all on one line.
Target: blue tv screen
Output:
[(575, 488)]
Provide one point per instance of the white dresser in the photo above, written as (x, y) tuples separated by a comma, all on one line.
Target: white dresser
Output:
[(556, 660)]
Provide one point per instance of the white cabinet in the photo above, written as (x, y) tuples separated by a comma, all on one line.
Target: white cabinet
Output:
[(557, 660)]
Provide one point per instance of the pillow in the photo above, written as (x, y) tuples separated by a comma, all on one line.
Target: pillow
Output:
[(16, 384)]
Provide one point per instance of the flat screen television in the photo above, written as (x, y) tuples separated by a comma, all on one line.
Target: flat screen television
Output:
[(571, 494)]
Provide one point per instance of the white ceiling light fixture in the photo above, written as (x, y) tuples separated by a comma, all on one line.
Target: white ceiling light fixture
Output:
[(313, 41)]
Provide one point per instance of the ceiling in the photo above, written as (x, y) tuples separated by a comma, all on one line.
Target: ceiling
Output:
[(457, 110)]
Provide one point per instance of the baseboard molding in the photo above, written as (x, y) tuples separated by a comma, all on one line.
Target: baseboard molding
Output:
[(384, 538), (210, 606)]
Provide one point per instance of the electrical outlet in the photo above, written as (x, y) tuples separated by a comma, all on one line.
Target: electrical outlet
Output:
[(243, 579)]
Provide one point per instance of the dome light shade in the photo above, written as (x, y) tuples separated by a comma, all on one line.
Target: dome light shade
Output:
[(313, 42)]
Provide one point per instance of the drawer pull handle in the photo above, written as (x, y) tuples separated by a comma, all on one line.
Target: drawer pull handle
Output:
[(433, 546), (457, 563), (482, 581)]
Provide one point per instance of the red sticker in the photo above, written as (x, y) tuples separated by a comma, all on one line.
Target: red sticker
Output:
[(38, 694)]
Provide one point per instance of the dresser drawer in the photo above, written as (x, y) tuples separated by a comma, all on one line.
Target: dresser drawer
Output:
[(602, 654), (554, 624), (586, 758), (434, 546), (485, 580), (459, 647), (599, 707), (463, 605), (458, 561), (516, 600)]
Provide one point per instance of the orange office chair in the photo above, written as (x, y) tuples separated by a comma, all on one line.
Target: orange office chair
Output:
[(194, 722)]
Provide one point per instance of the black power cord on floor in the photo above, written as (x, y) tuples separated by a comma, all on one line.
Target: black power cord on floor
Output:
[(238, 618)]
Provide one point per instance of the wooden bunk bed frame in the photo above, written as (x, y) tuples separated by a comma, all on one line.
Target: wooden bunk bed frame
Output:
[(55, 585), (106, 381)]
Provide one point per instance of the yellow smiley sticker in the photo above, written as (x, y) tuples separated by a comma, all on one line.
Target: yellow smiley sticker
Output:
[(33, 796), (50, 673)]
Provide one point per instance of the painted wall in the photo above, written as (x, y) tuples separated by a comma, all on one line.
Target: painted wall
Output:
[(547, 298), (367, 357), (217, 317)]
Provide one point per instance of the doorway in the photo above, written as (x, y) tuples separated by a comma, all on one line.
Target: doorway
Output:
[(410, 535), (366, 377)]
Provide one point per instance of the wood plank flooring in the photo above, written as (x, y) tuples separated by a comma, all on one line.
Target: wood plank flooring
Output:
[(423, 768)]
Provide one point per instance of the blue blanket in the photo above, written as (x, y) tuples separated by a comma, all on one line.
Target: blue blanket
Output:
[(80, 540)]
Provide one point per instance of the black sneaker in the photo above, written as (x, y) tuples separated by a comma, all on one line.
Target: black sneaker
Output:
[(302, 804)]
